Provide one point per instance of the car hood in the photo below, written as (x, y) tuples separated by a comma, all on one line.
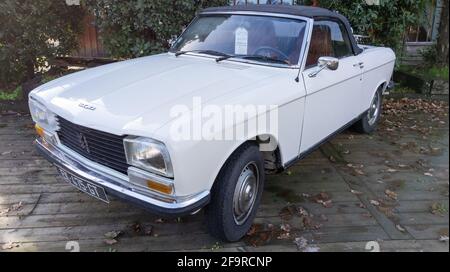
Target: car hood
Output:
[(139, 94)]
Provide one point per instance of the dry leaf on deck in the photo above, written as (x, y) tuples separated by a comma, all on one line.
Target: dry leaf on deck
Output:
[(356, 192), (112, 234), (10, 245), (110, 241), (391, 194), (400, 228)]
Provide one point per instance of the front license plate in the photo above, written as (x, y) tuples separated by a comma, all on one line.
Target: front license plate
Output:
[(84, 185)]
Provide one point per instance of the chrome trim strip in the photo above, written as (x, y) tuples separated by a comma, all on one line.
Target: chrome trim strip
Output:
[(87, 170)]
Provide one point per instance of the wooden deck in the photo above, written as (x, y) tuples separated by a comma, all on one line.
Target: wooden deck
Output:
[(338, 199)]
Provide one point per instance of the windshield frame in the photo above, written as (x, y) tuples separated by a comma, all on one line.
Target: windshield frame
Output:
[(301, 60)]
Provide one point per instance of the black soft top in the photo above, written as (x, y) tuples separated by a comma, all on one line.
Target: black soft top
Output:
[(305, 11)]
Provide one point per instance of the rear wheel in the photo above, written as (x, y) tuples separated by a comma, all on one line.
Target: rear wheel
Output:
[(236, 194), (368, 123)]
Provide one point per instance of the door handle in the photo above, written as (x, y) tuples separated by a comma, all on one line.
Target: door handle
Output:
[(360, 64)]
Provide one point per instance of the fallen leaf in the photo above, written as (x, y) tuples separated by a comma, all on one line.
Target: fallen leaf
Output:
[(302, 211), (438, 209), (112, 234), (17, 207), (110, 241), (136, 227), (285, 227), (375, 202), (391, 194), (284, 236), (326, 204), (400, 228), (356, 192), (301, 243), (253, 229), (4, 211), (10, 245)]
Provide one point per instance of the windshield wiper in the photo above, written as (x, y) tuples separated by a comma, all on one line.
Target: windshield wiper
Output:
[(255, 57), (208, 52)]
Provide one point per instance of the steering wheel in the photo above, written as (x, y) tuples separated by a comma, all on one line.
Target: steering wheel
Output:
[(268, 48)]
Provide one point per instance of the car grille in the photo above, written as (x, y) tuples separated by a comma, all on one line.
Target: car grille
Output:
[(101, 147)]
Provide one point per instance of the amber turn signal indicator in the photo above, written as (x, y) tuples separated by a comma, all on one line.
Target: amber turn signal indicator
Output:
[(166, 189), (39, 130)]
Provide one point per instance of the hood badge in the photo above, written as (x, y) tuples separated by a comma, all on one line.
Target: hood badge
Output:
[(86, 106)]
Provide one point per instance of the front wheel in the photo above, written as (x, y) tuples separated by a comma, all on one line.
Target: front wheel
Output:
[(368, 123), (236, 194)]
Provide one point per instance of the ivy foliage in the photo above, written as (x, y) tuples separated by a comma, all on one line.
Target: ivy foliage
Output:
[(32, 33), (142, 27), (385, 24)]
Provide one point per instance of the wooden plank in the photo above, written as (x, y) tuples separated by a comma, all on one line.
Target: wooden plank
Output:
[(37, 188), (98, 231), (333, 220), (37, 177), (428, 230), (134, 244), (421, 218)]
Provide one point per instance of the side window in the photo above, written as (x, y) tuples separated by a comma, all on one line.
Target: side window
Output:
[(329, 39)]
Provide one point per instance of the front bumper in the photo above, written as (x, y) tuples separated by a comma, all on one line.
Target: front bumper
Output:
[(118, 186)]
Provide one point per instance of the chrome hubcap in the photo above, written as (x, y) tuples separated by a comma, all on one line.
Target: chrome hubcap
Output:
[(374, 110), (245, 193)]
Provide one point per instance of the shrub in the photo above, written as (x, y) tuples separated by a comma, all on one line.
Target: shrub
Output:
[(32, 33), (142, 27), (385, 24)]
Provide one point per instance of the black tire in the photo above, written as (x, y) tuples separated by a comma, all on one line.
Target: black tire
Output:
[(220, 213), (366, 124)]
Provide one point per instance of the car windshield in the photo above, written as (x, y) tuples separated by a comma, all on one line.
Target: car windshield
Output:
[(258, 38)]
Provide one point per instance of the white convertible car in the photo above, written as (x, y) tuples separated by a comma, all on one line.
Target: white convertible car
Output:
[(151, 130)]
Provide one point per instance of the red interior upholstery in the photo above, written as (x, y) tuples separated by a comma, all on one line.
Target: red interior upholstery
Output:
[(320, 45)]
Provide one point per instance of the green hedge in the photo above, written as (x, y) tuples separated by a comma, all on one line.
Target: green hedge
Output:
[(385, 24), (26, 31), (142, 27)]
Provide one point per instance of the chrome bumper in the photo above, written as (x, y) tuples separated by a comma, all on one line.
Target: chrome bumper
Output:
[(118, 186)]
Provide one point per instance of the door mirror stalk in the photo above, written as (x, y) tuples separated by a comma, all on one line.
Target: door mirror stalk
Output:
[(329, 63)]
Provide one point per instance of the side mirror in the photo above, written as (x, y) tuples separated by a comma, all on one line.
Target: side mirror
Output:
[(329, 63)]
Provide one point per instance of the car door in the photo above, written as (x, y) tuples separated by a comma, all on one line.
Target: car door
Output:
[(333, 97)]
